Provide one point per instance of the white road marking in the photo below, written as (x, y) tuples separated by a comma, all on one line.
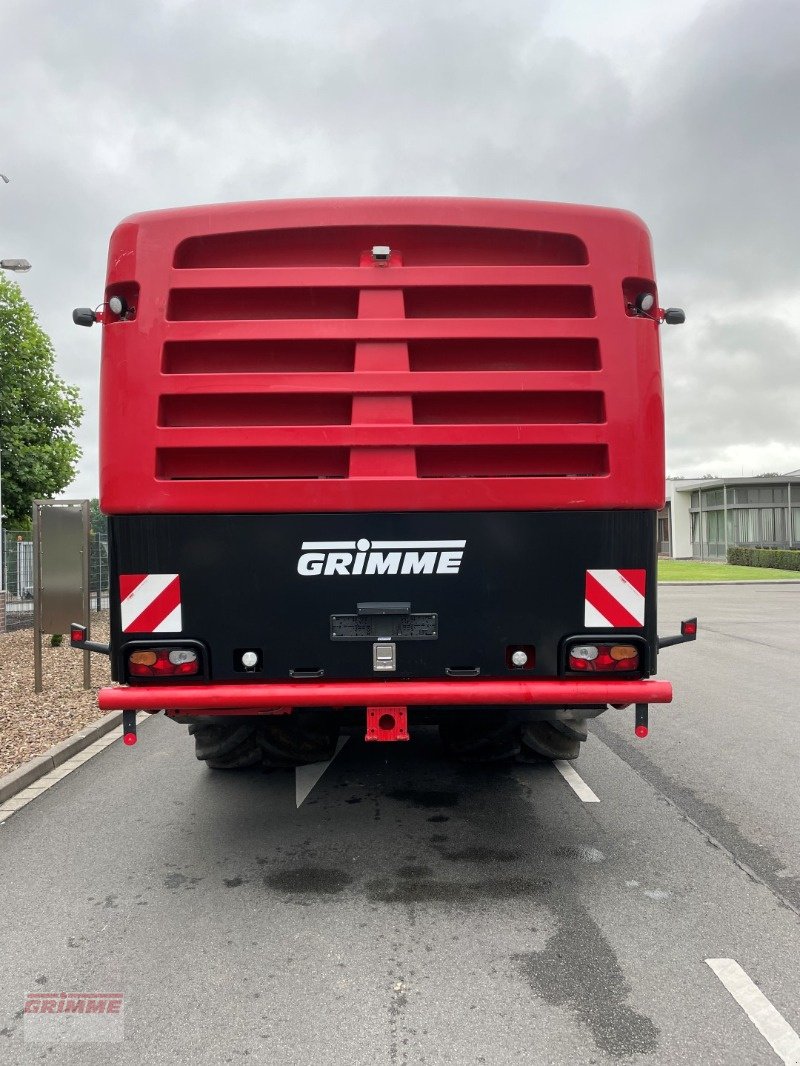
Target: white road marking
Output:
[(783, 1040), (42, 784), (306, 777), (575, 781)]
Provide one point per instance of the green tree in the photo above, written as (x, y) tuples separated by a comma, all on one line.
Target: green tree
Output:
[(98, 522), (39, 413)]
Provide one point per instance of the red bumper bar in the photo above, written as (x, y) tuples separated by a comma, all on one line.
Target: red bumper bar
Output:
[(209, 697)]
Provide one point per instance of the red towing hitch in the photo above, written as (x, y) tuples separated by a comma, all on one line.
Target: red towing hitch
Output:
[(387, 723)]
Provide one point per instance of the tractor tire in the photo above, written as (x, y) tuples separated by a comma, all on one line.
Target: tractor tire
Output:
[(492, 738), (545, 740), (294, 740), (481, 737), (282, 741), (227, 743)]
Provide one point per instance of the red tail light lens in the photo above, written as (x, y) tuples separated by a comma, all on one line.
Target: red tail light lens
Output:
[(163, 662), (601, 658)]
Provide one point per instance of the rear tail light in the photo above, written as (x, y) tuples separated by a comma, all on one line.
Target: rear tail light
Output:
[(599, 658), (163, 662)]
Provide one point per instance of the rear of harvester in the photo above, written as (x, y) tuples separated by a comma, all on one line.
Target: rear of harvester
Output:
[(382, 463)]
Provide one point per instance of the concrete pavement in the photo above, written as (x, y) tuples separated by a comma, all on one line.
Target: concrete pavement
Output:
[(416, 911)]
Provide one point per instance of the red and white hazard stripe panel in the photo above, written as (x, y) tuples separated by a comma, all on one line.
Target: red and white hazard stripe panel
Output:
[(151, 603), (614, 599)]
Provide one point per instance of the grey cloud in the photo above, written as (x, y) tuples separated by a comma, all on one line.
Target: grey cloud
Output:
[(735, 383), (197, 102)]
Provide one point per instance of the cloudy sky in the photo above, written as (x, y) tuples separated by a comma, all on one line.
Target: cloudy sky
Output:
[(686, 113)]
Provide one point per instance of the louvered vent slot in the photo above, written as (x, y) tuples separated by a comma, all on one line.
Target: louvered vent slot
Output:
[(529, 353), (343, 245), (256, 409), (496, 301), (520, 408), (242, 304), (259, 357), (232, 464), (535, 460)]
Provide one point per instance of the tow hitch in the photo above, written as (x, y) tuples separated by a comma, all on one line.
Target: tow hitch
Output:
[(387, 723)]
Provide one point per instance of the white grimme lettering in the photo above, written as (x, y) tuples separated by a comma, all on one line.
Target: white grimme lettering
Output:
[(338, 562), (310, 564), (378, 563), (418, 563), (347, 564), (449, 562)]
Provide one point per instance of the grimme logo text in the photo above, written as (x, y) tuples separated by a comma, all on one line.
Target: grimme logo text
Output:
[(353, 558)]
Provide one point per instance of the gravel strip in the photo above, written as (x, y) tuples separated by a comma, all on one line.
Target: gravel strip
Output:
[(30, 723)]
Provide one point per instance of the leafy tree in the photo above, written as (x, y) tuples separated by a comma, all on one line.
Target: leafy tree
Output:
[(98, 549), (39, 413), (98, 522)]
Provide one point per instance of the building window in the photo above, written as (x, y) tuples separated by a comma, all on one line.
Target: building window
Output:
[(768, 525), (780, 526), (746, 525), (715, 526)]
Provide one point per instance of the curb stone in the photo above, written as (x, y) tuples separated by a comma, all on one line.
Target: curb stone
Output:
[(25, 775)]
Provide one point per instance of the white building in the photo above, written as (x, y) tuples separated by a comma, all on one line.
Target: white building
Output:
[(704, 517)]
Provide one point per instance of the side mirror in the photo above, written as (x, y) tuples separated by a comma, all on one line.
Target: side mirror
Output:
[(84, 316), (674, 316)]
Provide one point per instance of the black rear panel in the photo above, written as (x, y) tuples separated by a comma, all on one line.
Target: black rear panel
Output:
[(518, 578)]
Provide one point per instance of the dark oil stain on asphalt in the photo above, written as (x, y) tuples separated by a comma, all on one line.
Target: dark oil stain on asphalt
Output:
[(420, 797), (481, 854), (578, 969), (428, 890), (181, 881), (412, 872), (310, 880)]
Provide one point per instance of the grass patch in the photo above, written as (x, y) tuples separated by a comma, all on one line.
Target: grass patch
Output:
[(693, 570)]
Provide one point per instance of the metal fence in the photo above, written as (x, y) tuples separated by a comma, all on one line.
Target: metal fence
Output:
[(16, 559)]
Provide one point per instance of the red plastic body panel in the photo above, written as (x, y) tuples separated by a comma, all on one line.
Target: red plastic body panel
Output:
[(209, 698), (270, 365)]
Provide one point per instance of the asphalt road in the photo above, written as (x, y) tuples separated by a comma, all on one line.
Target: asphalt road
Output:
[(416, 911)]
